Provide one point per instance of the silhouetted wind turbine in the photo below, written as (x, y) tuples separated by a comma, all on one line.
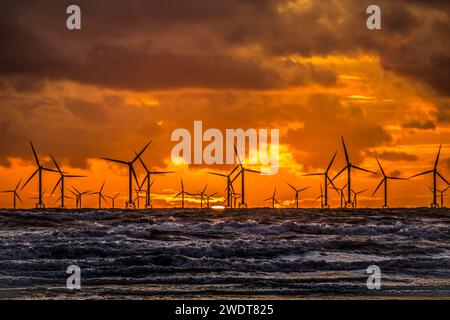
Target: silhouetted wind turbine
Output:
[(208, 197), (131, 173), (202, 195), (320, 197), (79, 196), (355, 196), (59, 199), (385, 182), (341, 194), (441, 192), (349, 166), (138, 197), (15, 194), (327, 179), (40, 203), (182, 193), (147, 179), (242, 174), (100, 195), (436, 174), (273, 199), (297, 191), (113, 199), (229, 185), (61, 181)]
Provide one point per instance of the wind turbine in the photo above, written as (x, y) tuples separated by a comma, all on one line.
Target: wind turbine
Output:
[(139, 196), (182, 193), (202, 194), (273, 199), (441, 192), (113, 199), (15, 194), (59, 199), (147, 179), (349, 166), (100, 195), (242, 174), (131, 173), (40, 168), (436, 174), (61, 181), (297, 191), (208, 197), (385, 182), (78, 196), (327, 180), (340, 191), (229, 185), (355, 196), (321, 197)]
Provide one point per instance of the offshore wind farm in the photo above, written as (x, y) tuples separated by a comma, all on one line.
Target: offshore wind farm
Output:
[(288, 149), (234, 180)]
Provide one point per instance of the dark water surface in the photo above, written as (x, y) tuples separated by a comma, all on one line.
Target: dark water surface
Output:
[(253, 253)]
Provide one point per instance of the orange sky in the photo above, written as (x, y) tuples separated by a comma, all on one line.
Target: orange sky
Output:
[(122, 81)]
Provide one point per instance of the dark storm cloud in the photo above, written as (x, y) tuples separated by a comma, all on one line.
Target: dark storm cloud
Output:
[(422, 125), (393, 156), (171, 44)]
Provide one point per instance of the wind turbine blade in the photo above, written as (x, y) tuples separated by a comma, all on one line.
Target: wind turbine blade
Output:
[(381, 168), (101, 189), (143, 181), (217, 174), (290, 185), (267, 199), (345, 150), (254, 171), (56, 164), (134, 175), (442, 178), (237, 154), (35, 154), (49, 170), (331, 182), (421, 174), (18, 184), (18, 197), (362, 169), (339, 173), (437, 158), (378, 187), (76, 190), (234, 179), (331, 162), (142, 163), (176, 196), (56, 186), (141, 152), (232, 171), (114, 160), (161, 172), (29, 179), (313, 174), (73, 176), (151, 184), (306, 188), (396, 178), (204, 189)]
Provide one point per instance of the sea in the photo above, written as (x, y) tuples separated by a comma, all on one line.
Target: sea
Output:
[(232, 254)]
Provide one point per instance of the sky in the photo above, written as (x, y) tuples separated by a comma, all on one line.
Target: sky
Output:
[(138, 70)]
